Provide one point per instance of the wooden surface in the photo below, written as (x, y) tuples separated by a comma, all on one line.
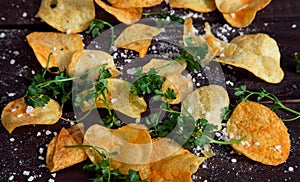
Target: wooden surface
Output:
[(21, 151)]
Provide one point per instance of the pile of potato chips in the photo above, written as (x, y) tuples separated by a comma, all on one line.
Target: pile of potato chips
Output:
[(159, 159)]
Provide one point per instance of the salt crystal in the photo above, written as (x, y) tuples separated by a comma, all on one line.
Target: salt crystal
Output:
[(13, 110), (257, 143), (12, 139), (51, 180), (48, 132), (31, 178), (294, 26), (41, 150), (113, 100), (233, 160), (26, 173), (38, 134), (24, 14), (41, 158), (11, 178), (2, 35), (29, 109), (12, 61), (19, 115), (11, 94), (68, 31), (291, 169)]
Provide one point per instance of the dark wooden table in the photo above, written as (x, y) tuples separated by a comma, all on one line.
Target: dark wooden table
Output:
[(22, 153)]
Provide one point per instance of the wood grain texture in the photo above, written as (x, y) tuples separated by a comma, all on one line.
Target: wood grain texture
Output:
[(20, 151)]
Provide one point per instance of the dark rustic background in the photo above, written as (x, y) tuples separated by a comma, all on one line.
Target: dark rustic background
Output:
[(22, 153)]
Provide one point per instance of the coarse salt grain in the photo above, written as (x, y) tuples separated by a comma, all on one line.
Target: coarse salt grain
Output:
[(48, 132), (19, 115), (41, 150), (11, 94), (29, 109), (291, 169), (113, 100), (294, 26), (12, 61), (11, 178), (41, 158), (38, 134), (233, 160), (278, 147), (31, 178), (68, 31), (257, 143), (13, 110), (26, 173), (12, 139), (2, 35), (51, 180), (24, 15)]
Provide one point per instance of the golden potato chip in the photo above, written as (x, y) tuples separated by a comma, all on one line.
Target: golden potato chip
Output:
[(132, 143), (196, 5), (69, 16), (137, 37), (261, 62), (16, 113), (241, 18), (165, 67), (84, 60), (120, 99), (207, 102), (267, 140), (58, 156), (174, 163), (232, 6), (134, 3), (182, 86), (216, 47), (126, 15), (77, 132), (62, 47)]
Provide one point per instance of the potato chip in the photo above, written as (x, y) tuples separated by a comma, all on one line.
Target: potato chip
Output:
[(84, 60), (202, 6), (165, 67), (67, 15), (174, 163), (120, 99), (207, 102), (58, 157), (267, 140), (134, 3), (256, 55), (232, 6), (62, 47), (182, 86), (126, 15), (137, 37), (240, 13), (16, 113), (241, 18), (132, 143), (77, 132), (216, 47)]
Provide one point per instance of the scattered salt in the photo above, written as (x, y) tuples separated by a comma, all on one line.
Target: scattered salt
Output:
[(24, 15), (26, 173), (2, 35), (291, 169), (233, 160), (11, 178), (38, 134), (11, 94), (29, 109), (51, 180), (31, 178), (12, 61), (13, 110), (48, 132), (68, 31), (19, 115), (12, 139), (294, 26)]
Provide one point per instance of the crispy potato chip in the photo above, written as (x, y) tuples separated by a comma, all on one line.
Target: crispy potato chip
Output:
[(77, 132), (62, 47), (132, 143), (173, 162), (267, 140), (120, 99), (16, 113), (263, 62), (207, 102), (134, 3), (182, 86), (67, 15), (196, 5), (241, 18), (164, 68), (216, 47), (126, 15), (137, 37), (232, 6), (84, 60), (58, 157)]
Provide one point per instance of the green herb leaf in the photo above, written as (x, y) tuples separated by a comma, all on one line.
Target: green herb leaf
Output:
[(297, 60)]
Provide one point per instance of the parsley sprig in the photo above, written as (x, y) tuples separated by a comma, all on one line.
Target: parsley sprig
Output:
[(261, 94), (97, 25), (102, 169), (297, 60), (193, 54)]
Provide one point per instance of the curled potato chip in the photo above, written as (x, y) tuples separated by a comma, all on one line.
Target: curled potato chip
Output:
[(134, 3), (170, 162), (67, 15), (58, 157), (16, 113), (207, 102), (125, 15), (137, 37), (165, 67), (232, 6), (196, 5), (84, 60), (267, 140), (62, 46), (120, 99), (132, 143), (240, 13), (182, 86), (259, 54)]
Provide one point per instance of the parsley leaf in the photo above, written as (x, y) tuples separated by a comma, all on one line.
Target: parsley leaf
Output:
[(258, 96), (193, 54), (297, 60), (163, 18)]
